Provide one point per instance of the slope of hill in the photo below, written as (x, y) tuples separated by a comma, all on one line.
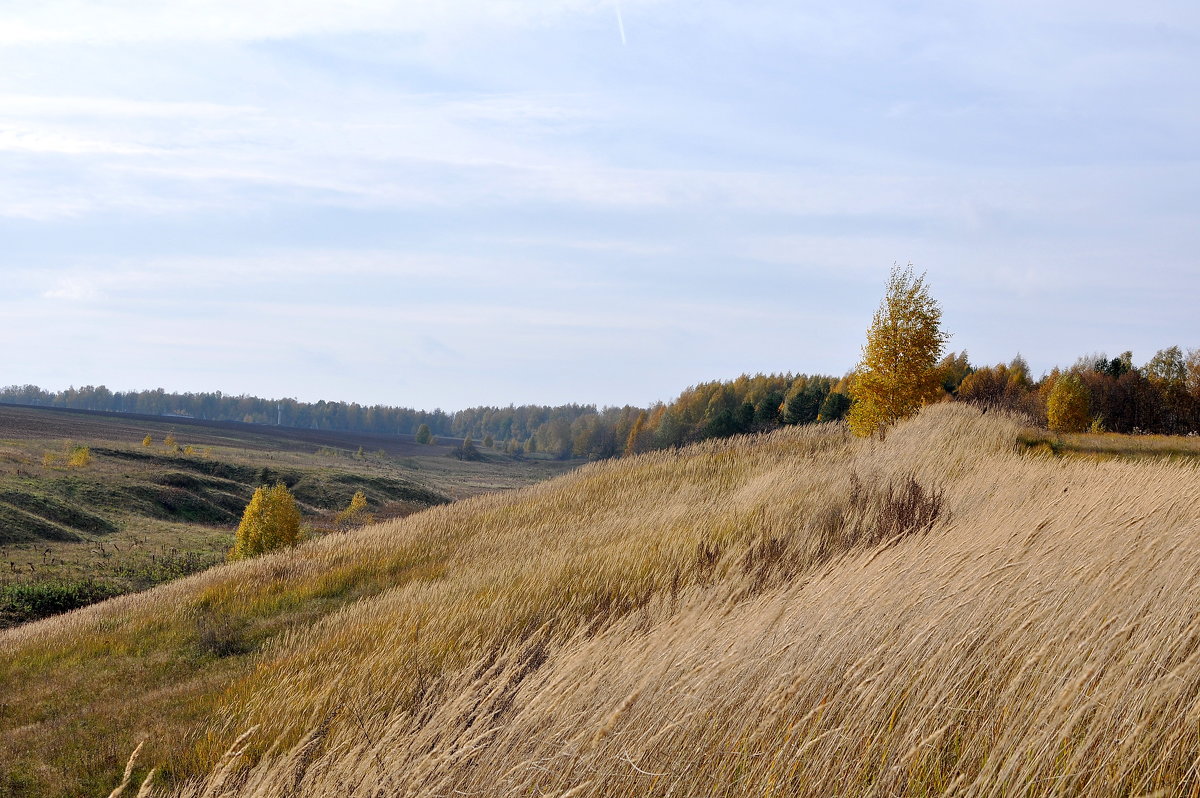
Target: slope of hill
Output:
[(131, 514), (797, 614)]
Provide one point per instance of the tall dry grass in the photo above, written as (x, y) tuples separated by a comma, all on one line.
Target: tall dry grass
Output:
[(800, 614), (1042, 636)]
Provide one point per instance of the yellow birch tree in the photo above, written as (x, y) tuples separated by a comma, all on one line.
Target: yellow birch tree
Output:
[(355, 513), (633, 441), (271, 521), (1067, 406), (899, 368)]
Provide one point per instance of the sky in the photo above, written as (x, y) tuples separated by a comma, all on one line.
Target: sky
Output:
[(450, 203)]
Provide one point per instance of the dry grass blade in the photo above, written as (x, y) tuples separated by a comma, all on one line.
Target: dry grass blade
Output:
[(797, 614), (120, 789)]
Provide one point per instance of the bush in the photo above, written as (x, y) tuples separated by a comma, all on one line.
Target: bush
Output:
[(355, 513), (466, 451), (220, 634), (271, 521), (31, 601)]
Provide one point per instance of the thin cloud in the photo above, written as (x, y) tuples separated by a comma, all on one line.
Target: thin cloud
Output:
[(56, 21), (73, 289), (501, 178)]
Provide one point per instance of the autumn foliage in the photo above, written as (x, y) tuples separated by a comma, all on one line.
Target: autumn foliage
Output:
[(899, 368), (271, 521), (1067, 407)]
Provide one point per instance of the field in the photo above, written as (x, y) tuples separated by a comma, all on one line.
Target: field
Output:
[(950, 611), (135, 515), (1110, 446)]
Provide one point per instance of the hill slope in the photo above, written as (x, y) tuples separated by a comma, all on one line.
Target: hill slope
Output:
[(156, 498), (798, 614)]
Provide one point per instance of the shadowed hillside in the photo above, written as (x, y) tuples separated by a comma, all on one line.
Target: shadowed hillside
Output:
[(98, 504), (794, 614)]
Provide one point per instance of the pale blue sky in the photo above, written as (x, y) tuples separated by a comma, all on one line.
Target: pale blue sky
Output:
[(450, 203)]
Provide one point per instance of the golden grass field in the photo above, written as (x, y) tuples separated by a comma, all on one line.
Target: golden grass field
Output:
[(947, 612)]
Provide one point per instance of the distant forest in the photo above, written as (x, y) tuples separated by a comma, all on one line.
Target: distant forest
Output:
[(713, 409), (1097, 393)]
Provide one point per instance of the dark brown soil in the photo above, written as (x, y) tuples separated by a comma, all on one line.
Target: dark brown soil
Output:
[(20, 422)]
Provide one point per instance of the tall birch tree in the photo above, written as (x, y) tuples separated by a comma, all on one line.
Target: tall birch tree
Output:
[(899, 368)]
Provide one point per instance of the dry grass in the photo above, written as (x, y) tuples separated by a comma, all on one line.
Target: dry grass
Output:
[(799, 614), (1110, 445)]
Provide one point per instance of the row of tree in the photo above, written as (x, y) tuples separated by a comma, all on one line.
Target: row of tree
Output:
[(901, 369), (1098, 392), (500, 422), (709, 410)]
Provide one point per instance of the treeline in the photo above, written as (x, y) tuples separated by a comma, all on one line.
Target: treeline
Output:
[(713, 409), (1098, 393), (503, 423), (710, 410)]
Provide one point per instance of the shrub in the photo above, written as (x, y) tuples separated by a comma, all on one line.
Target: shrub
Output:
[(30, 601), (271, 521), (220, 634), (466, 451), (355, 513)]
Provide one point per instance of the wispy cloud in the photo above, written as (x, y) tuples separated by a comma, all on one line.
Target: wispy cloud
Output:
[(505, 179), (72, 289), (224, 20)]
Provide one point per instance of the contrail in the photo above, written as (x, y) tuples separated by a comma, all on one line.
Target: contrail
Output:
[(620, 23)]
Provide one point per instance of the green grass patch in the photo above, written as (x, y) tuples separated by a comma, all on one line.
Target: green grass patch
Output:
[(19, 526), (333, 490), (1111, 446), (31, 601), (57, 511), (177, 504)]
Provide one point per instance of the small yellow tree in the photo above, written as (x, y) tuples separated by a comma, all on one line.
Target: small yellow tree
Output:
[(633, 443), (271, 521), (148, 440), (1067, 405), (169, 441), (355, 513), (899, 368), (81, 457)]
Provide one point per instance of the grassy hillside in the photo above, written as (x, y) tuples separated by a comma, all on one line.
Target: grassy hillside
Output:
[(129, 515), (946, 612)]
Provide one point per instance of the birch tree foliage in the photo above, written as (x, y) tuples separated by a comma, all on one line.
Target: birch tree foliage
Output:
[(899, 368), (1067, 407), (271, 521)]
